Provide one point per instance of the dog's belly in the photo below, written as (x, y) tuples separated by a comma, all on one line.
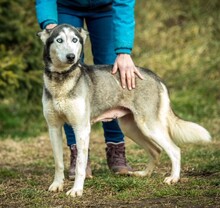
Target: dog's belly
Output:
[(111, 114)]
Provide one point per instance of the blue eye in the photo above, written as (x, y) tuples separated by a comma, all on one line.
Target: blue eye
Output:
[(74, 40), (59, 40)]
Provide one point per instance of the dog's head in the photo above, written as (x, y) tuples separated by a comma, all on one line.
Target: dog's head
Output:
[(63, 44)]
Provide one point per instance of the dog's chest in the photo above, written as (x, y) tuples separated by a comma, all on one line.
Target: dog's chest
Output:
[(57, 95), (60, 105), (55, 105)]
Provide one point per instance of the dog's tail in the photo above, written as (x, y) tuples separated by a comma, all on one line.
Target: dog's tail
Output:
[(182, 131)]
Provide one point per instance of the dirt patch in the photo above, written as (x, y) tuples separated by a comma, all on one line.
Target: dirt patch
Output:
[(169, 202)]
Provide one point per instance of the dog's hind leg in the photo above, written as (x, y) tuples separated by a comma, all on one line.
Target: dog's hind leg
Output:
[(159, 134), (56, 141), (131, 130)]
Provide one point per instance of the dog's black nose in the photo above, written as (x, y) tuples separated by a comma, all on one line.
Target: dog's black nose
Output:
[(70, 56)]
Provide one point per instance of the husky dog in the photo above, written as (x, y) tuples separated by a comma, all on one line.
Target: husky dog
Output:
[(81, 95)]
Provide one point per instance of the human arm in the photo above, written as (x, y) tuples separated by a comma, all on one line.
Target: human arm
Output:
[(124, 25), (46, 11)]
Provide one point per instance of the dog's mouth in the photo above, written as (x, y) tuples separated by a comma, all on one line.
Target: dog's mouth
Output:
[(70, 61)]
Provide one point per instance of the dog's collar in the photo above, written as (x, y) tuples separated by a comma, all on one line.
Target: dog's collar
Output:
[(60, 75)]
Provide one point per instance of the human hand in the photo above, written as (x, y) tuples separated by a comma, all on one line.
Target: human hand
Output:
[(127, 69), (51, 26)]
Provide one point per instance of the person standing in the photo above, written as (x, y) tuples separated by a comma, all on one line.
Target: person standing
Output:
[(110, 24)]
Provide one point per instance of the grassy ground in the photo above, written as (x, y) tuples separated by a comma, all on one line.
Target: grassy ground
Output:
[(180, 41), (27, 170)]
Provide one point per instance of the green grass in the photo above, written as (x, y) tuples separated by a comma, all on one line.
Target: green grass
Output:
[(25, 180), (21, 120)]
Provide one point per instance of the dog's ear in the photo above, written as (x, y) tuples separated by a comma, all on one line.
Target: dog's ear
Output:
[(44, 35), (83, 33)]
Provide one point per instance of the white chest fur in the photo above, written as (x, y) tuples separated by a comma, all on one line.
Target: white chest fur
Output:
[(62, 103), (59, 94)]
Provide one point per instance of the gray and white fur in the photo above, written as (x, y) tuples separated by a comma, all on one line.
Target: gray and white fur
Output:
[(81, 95)]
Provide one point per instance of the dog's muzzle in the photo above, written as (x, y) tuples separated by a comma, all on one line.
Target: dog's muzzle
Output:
[(70, 57)]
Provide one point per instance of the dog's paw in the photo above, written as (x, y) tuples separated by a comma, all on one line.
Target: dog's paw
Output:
[(140, 173), (171, 180), (56, 186), (136, 173), (74, 193)]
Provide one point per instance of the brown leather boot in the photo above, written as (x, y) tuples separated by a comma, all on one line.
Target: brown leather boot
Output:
[(115, 153), (73, 156)]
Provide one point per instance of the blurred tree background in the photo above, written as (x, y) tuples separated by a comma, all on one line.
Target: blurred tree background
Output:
[(20, 70), (179, 40)]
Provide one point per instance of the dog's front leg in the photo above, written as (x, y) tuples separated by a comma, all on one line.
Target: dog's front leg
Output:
[(82, 141), (56, 141)]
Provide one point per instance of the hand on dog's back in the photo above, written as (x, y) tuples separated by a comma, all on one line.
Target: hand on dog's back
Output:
[(127, 69)]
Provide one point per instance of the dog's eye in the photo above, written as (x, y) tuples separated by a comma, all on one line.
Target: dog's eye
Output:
[(59, 40), (74, 40)]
